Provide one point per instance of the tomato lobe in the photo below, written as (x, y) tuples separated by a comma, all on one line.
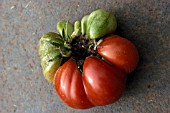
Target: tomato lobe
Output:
[(69, 86), (120, 52), (102, 82)]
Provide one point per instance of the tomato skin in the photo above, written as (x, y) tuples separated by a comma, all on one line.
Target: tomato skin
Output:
[(104, 84), (120, 52), (69, 86)]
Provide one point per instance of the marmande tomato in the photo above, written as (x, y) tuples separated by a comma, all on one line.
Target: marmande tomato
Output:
[(86, 62), (94, 88)]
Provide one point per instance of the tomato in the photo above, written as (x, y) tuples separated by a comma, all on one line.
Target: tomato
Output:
[(94, 88), (101, 82), (87, 73), (120, 52)]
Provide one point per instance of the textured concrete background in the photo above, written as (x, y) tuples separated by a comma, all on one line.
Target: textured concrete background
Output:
[(23, 88)]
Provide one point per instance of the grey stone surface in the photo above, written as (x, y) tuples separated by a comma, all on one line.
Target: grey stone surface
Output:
[(23, 88)]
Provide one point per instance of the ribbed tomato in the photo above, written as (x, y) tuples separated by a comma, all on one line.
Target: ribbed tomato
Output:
[(87, 64), (100, 84)]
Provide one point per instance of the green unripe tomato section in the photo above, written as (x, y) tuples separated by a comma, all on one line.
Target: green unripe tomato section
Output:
[(50, 55), (100, 23), (84, 24), (65, 29)]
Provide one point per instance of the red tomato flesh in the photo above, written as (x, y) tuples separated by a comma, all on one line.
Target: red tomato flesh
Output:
[(69, 86), (120, 52), (104, 84)]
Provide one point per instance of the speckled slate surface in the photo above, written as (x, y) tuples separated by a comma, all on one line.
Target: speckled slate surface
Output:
[(22, 22)]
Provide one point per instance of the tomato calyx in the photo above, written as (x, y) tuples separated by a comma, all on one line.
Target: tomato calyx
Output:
[(81, 48), (78, 45)]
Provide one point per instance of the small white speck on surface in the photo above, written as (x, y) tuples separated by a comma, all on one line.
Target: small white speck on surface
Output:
[(34, 33), (27, 4), (150, 100), (12, 7), (15, 105)]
